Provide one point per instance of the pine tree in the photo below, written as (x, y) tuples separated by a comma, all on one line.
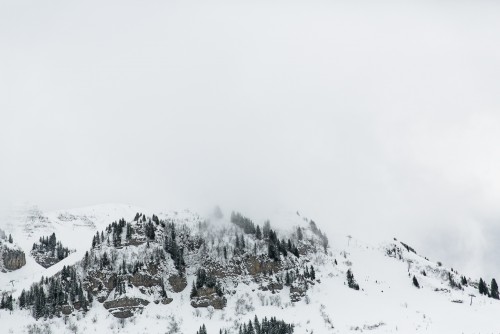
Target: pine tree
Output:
[(351, 282), (22, 299), (300, 236), (272, 252), (202, 330), (415, 282), (129, 232), (453, 284), (194, 291), (483, 288), (287, 279), (90, 297), (494, 289), (163, 292), (266, 229), (258, 233)]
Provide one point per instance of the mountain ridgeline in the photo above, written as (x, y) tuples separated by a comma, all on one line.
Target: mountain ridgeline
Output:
[(178, 272)]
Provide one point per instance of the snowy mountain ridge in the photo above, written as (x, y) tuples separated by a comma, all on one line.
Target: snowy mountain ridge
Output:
[(145, 281)]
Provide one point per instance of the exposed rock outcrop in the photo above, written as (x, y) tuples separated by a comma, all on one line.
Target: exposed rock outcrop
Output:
[(178, 283), (208, 297), (12, 259), (125, 307), (144, 280)]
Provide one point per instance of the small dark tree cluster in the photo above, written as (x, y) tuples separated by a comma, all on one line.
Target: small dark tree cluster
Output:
[(6, 303), (50, 246), (351, 282), (115, 229), (48, 296), (276, 247), (121, 286), (271, 326), (104, 262), (310, 273), (205, 280), (202, 330), (149, 230), (483, 288), (300, 235), (239, 245), (408, 247), (129, 231), (98, 239), (245, 223), (321, 235), (266, 229), (258, 233), (453, 284), (291, 276), (171, 247)]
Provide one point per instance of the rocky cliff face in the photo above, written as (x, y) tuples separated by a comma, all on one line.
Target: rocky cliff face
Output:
[(132, 264), (13, 259)]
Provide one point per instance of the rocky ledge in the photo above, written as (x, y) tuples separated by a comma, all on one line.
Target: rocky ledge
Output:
[(12, 259)]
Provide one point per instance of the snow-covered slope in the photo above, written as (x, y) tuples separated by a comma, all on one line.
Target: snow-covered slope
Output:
[(73, 227), (387, 301)]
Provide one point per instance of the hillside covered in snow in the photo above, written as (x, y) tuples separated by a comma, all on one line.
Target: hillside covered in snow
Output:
[(130, 270)]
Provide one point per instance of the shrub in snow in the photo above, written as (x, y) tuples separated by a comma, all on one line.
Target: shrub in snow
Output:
[(42, 329), (326, 317), (173, 326), (244, 304), (73, 327), (262, 298), (210, 310), (275, 300)]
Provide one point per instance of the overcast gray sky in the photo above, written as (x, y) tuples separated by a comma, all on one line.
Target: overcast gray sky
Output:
[(374, 119)]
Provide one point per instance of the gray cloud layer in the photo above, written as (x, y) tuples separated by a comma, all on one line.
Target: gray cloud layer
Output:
[(374, 119)]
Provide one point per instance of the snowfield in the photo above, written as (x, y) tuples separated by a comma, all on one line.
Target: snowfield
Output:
[(387, 301)]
